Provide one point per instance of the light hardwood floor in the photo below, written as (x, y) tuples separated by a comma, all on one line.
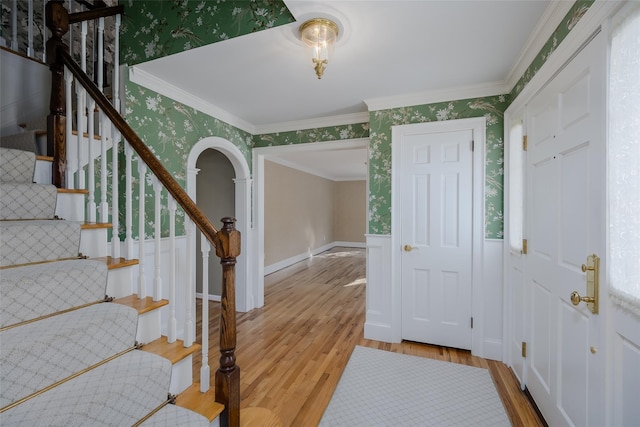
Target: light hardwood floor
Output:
[(292, 351)]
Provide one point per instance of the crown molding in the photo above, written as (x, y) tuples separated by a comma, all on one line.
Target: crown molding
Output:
[(148, 80), (438, 95), (547, 24), (321, 122), (312, 171)]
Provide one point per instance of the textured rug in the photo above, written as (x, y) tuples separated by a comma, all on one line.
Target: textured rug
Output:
[(381, 388)]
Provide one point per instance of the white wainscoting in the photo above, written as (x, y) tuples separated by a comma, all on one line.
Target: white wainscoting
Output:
[(383, 319), (379, 320)]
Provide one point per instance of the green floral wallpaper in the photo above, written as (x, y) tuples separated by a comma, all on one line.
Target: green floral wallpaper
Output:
[(156, 28), (332, 133), (171, 129), (492, 108), (570, 20)]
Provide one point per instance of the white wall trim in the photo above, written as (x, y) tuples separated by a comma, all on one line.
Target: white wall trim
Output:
[(310, 254), (148, 80), (584, 29), (244, 285), (211, 297), (311, 171), (437, 95), (478, 125), (345, 119), (547, 24)]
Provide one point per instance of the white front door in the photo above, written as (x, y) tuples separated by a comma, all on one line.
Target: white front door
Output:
[(565, 206), (436, 235)]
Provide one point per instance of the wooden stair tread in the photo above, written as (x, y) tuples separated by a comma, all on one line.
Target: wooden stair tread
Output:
[(44, 158), (202, 403), (85, 134), (95, 225), (73, 191), (174, 352), (143, 305), (113, 263), (256, 416)]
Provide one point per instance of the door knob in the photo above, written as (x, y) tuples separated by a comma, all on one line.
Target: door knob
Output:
[(408, 248)]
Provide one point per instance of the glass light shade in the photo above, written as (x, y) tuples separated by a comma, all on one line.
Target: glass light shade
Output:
[(319, 36)]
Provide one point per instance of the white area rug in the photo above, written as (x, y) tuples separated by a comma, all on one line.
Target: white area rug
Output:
[(381, 388)]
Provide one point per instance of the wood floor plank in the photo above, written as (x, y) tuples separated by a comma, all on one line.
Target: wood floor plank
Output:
[(293, 351)]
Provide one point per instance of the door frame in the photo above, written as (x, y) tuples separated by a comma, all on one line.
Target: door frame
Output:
[(478, 126), (260, 154), (243, 182)]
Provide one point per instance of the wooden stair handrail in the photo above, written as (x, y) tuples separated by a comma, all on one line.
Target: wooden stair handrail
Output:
[(226, 241), (58, 57)]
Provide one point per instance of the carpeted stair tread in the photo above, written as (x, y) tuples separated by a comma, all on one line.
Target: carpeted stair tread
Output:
[(36, 355), (38, 290), (119, 393), (27, 201), (172, 415), (30, 241), (16, 165)]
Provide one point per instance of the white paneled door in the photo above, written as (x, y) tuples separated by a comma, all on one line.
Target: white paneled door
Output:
[(436, 228), (565, 205)]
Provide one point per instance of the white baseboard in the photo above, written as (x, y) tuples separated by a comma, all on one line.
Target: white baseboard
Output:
[(211, 297), (268, 269)]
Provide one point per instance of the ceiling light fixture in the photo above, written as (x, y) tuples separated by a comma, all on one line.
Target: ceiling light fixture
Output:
[(319, 35)]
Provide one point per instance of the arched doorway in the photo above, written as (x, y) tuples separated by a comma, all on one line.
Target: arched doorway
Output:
[(242, 184)]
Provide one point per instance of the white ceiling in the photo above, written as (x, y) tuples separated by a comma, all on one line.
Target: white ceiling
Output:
[(387, 52)]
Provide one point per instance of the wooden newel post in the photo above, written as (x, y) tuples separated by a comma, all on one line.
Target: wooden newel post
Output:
[(57, 19), (227, 378)]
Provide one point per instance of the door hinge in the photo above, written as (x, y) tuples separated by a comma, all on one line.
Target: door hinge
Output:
[(524, 246), (524, 143), (473, 145), (472, 323), (524, 349)]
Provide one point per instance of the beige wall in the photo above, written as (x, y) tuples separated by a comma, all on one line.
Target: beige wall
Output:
[(350, 202), (303, 212), (215, 193)]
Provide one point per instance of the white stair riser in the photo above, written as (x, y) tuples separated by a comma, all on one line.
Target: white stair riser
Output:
[(148, 327), (181, 375), (93, 242), (42, 174), (70, 206), (119, 282)]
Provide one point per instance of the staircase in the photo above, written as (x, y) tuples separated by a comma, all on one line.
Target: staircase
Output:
[(69, 353), (81, 324)]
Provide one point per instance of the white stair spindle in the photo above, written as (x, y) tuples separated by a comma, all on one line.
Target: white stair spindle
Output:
[(70, 43), (100, 55), (128, 240), (157, 277), (115, 85), (91, 173), (44, 31), (80, 113), (142, 281), (104, 206), (115, 195), (14, 25), (30, 53), (172, 333), (189, 295), (72, 157), (204, 369)]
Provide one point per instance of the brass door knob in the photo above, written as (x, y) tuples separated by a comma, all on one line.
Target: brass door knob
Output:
[(577, 299), (408, 248)]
